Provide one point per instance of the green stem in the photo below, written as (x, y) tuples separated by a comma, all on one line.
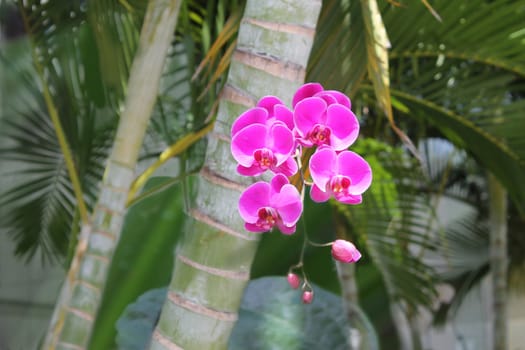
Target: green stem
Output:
[(81, 294), (498, 260), (214, 256)]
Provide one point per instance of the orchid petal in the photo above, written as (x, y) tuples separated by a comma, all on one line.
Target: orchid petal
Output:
[(247, 141), (349, 198), (253, 198), (283, 114), (254, 228), (288, 204), (308, 113), (338, 96), (252, 170), (287, 230), (317, 195), (251, 116), (288, 167), (278, 181), (344, 126), (357, 169), (269, 103), (281, 142), (323, 166), (305, 91)]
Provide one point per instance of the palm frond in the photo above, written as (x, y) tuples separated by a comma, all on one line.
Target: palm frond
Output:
[(465, 75), (63, 51), (395, 224), (490, 33), (338, 59), (463, 259), (115, 28)]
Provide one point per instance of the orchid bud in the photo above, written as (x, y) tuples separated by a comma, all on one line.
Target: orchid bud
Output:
[(293, 280), (345, 251), (308, 296)]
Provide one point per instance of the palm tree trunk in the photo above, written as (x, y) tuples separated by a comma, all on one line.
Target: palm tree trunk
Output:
[(81, 293), (498, 260), (214, 257)]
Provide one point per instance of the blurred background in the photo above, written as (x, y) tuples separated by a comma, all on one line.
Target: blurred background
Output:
[(444, 209)]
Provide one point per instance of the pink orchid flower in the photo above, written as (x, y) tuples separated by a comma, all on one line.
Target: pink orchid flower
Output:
[(259, 147), (345, 176), (318, 123), (345, 251), (317, 90), (268, 111), (265, 205)]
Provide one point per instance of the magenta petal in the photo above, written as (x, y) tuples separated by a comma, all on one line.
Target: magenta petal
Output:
[(268, 103), (349, 199), (287, 230), (339, 97), (309, 112), (254, 228), (288, 168), (253, 170), (278, 181), (283, 114), (251, 116), (305, 91), (323, 166), (288, 204), (317, 195), (344, 126), (247, 141), (281, 142), (329, 99), (253, 198), (357, 169)]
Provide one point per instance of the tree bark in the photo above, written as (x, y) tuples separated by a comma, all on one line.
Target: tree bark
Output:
[(213, 259), (81, 293), (498, 260)]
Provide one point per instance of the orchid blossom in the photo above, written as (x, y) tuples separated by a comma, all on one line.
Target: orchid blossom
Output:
[(259, 147), (345, 176), (318, 123), (265, 205)]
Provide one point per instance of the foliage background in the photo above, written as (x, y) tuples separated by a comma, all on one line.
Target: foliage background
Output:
[(455, 86)]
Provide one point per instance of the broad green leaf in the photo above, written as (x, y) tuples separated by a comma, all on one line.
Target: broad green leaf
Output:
[(136, 324), (272, 316), (143, 259)]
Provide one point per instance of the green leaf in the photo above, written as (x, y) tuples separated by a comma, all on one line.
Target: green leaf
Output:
[(143, 259), (136, 325), (338, 59), (394, 223), (488, 32), (465, 76), (273, 317)]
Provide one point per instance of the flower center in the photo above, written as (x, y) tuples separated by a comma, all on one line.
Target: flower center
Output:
[(267, 218), (339, 184), (319, 135), (264, 158)]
